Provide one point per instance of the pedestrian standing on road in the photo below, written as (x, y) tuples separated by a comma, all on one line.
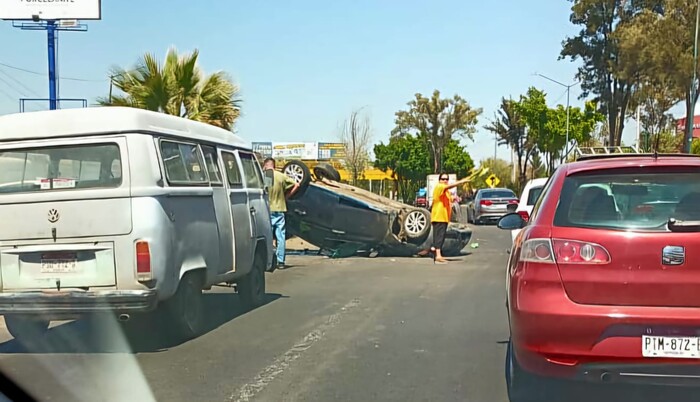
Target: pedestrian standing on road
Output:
[(282, 188), (441, 212)]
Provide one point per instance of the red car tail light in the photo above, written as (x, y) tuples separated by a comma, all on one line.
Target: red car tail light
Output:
[(485, 202), (578, 252), (524, 215), (143, 261), (537, 250), (513, 202)]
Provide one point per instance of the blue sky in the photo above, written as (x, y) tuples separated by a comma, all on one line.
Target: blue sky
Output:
[(303, 66)]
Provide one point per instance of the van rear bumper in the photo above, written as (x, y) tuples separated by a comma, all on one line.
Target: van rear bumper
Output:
[(69, 302)]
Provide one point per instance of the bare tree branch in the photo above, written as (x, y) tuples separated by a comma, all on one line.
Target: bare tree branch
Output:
[(356, 135)]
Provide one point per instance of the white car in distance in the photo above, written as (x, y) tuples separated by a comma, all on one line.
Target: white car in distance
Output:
[(529, 196)]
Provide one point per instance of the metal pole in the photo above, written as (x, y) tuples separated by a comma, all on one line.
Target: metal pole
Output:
[(639, 131), (495, 147), (566, 148), (690, 119), (51, 41)]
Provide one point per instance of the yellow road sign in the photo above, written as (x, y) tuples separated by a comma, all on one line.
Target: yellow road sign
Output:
[(492, 180)]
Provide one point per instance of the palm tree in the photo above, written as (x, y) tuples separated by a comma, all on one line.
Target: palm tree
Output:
[(178, 87)]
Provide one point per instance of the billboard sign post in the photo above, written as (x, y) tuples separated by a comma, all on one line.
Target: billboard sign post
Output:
[(47, 16)]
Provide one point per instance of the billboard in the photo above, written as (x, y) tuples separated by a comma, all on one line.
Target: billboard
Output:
[(263, 148), (295, 150), (331, 150), (50, 10)]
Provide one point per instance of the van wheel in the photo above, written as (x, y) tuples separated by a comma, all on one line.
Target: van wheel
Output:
[(26, 328), (185, 309), (252, 286)]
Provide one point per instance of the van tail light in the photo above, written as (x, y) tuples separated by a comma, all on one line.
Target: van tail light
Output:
[(578, 252), (546, 251), (143, 261), (524, 215), (485, 202)]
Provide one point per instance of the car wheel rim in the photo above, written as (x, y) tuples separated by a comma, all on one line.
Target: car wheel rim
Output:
[(295, 172), (416, 222)]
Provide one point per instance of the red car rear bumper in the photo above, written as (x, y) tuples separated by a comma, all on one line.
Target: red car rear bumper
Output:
[(555, 337)]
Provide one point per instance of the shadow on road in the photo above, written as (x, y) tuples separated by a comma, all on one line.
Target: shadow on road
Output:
[(145, 333)]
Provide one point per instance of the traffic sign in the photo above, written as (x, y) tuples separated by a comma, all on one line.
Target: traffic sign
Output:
[(492, 180)]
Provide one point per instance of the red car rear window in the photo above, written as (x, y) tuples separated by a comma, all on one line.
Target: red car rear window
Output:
[(629, 199)]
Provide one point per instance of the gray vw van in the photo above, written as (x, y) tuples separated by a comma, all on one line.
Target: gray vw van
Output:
[(125, 211)]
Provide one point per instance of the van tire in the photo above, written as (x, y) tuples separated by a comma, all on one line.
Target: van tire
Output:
[(26, 328), (251, 287), (326, 171), (185, 310), (301, 175)]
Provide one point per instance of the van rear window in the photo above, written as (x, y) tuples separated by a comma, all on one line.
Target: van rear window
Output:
[(641, 199), (60, 168)]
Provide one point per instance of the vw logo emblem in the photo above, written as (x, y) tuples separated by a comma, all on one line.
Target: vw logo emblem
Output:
[(53, 215)]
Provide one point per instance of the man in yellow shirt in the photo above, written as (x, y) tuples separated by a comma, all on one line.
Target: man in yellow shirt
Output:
[(441, 212), (282, 188)]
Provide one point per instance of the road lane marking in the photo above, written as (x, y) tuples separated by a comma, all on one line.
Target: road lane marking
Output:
[(269, 373)]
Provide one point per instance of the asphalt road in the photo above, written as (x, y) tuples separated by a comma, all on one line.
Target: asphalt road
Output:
[(332, 330)]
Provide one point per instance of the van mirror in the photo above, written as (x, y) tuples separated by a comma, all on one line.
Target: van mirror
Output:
[(511, 221)]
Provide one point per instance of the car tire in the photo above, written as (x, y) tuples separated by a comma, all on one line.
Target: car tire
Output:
[(251, 288), (301, 175), (416, 225), (326, 171), (26, 328), (185, 310), (520, 385)]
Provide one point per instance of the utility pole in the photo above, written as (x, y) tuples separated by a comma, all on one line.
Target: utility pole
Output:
[(568, 93)]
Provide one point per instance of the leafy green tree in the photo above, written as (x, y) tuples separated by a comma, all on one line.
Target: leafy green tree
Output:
[(537, 167), (665, 142), (436, 121), (695, 146), (603, 73), (511, 128), (457, 160), (177, 87), (660, 41), (408, 158), (501, 168)]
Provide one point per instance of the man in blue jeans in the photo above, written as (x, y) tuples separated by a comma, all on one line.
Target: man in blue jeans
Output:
[(282, 187)]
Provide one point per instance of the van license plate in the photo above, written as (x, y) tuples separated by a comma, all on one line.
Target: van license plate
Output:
[(671, 346), (58, 266)]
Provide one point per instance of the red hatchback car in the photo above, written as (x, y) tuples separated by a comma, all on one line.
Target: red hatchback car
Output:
[(603, 282)]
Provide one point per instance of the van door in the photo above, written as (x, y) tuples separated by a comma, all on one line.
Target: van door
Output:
[(257, 197), (222, 209), (240, 213)]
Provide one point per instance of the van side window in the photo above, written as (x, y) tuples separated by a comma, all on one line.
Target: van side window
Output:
[(232, 171), (183, 163), (212, 164), (251, 171)]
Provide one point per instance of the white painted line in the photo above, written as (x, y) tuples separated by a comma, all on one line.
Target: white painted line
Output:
[(269, 373)]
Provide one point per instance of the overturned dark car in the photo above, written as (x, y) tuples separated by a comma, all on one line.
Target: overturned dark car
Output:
[(335, 216)]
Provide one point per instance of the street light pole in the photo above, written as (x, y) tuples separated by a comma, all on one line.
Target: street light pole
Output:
[(568, 93), (690, 118)]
